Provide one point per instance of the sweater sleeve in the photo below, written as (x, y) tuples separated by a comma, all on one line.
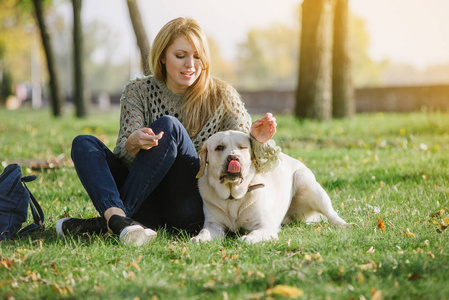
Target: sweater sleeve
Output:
[(131, 119), (266, 155)]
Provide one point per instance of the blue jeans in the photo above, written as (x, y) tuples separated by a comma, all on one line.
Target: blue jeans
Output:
[(160, 190)]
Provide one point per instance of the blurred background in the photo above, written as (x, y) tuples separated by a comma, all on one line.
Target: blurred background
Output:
[(398, 49)]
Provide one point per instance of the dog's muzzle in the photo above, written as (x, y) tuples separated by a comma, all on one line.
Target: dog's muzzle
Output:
[(233, 167), (233, 170)]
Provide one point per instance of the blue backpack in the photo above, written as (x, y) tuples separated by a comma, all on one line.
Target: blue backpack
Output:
[(14, 200)]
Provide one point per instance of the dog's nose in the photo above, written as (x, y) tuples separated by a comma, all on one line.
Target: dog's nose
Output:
[(233, 157)]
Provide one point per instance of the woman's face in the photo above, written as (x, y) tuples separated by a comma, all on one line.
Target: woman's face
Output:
[(183, 65)]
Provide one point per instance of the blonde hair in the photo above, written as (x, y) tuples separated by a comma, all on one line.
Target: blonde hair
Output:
[(204, 95)]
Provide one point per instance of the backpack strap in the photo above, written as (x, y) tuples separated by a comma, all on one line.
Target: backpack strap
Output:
[(36, 211)]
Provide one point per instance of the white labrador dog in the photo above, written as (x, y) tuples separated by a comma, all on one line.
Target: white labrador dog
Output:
[(237, 197)]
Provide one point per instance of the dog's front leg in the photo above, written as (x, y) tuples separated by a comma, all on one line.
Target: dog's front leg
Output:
[(259, 235), (210, 231)]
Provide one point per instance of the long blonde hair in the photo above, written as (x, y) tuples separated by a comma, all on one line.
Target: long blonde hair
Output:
[(202, 97)]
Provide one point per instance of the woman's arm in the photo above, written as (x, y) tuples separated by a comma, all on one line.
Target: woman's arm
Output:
[(264, 129), (133, 135)]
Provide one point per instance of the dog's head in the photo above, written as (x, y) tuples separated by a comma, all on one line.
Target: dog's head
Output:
[(228, 158)]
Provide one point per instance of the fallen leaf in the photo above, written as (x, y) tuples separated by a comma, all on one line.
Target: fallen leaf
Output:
[(60, 290), (391, 224), (133, 264), (55, 268), (286, 291), (445, 221), (313, 257), (371, 250), (408, 233), (361, 278), (414, 277), (370, 265), (380, 225), (377, 296), (5, 263), (438, 213), (442, 229), (232, 257)]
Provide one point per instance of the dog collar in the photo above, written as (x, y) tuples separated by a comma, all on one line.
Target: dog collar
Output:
[(255, 187), (251, 188)]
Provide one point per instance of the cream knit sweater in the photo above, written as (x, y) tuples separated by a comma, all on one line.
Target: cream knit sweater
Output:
[(146, 99)]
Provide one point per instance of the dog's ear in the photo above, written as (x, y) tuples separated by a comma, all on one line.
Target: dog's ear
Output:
[(203, 160)]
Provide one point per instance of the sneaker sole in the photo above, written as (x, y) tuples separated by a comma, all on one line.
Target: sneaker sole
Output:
[(59, 226), (136, 235)]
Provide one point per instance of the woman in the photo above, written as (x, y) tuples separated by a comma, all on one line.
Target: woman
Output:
[(148, 181)]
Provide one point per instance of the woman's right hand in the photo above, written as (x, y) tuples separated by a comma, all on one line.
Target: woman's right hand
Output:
[(143, 138)]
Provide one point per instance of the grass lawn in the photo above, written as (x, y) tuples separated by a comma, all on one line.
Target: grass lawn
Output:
[(388, 167)]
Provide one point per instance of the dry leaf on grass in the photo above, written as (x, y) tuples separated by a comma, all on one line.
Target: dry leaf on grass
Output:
[(380, 225), (134, 265), (371, 250), (368, 266), (313, 257), (377, 295), (408, 233), (414, 277), (286, 291)]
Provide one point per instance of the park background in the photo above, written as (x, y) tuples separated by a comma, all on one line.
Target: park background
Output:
[(254, 45)]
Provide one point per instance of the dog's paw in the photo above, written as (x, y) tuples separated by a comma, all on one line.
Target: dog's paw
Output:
[(345, 225), (199, 239), (203, 237), (257, 238)]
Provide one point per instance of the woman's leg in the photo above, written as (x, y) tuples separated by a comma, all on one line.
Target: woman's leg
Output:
[(164, 179), (99, 171), (176, 202)]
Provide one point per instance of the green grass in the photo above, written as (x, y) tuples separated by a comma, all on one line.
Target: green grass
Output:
[(389, 166)]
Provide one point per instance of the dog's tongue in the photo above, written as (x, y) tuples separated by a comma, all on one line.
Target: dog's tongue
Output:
[(234, 166)]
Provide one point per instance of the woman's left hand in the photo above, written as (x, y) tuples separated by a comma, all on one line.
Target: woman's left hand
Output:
[(264, 129)]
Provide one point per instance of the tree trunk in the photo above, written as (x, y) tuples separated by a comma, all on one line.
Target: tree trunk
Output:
[(56, 99), (313, 94), (80, 104), (141, 35), (342, 91)]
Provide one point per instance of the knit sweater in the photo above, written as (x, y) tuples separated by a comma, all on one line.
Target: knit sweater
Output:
[(146, 99)]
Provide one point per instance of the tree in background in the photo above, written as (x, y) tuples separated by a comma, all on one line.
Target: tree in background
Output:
[(5, 85), (343, 104), (313, 95), (141, 35), (17, 39), (79, 100), (104, 69), (56, 99)]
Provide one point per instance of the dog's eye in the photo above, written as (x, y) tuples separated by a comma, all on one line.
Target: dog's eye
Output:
[(242, 147), (220, 148)]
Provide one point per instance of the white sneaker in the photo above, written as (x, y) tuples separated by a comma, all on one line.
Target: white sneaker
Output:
[(136, 235), (130, 231)]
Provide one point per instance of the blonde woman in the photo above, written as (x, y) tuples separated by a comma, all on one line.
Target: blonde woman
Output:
[(149, 180)]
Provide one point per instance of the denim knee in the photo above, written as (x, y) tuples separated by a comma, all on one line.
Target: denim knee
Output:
[(167, 124), (83, 143)]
